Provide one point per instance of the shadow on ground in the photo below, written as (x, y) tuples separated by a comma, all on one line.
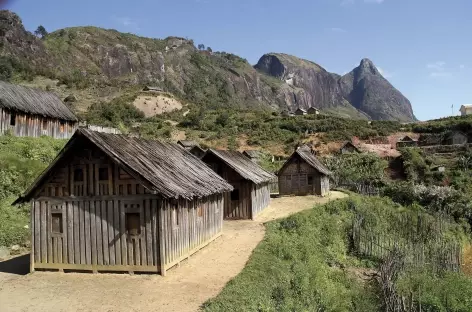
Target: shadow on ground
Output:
[(18, 265)]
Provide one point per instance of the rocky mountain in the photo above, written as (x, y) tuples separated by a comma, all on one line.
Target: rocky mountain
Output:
[(368, 91), (94, 61), (363, 90)]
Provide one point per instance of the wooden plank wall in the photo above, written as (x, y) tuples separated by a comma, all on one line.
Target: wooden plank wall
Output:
[(94, 236), (260, 198), (293, 180), (239, 209), (186, 226), (36, 126)]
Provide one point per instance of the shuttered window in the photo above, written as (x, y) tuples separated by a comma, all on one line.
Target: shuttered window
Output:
[(12, 119), (103, 174), (133, 224), (56, 226), (310, 180), (78, 175)]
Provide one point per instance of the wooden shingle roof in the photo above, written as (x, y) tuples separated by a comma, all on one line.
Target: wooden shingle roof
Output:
[(163, 168), (243, 166), (305, 154), (252, 153), (33, 101)]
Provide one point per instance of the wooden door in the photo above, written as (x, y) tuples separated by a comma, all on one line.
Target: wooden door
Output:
[(133, 226)]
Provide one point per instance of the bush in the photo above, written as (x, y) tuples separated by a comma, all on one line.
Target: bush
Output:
[(13, 222)]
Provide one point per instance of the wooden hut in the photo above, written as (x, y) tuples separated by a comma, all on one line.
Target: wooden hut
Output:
[(348, 148), (407, 141), (313, 111), (303, 174), (152, 89), (109, 202), (192, 147), (251, 193), (455, 138), (300, 112), (31, 112)]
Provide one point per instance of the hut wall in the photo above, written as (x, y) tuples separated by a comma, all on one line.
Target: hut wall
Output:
[(20, 124), (260, 198), (188, 226), (299, 178), (92, 234)]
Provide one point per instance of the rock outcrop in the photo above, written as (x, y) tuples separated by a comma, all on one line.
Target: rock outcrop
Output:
[(368, 91)]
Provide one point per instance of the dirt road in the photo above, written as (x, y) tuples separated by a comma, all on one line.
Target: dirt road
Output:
[(183, 289)]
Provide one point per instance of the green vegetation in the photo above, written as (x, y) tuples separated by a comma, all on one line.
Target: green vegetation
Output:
[(356, 168), (21, 161), (306, 262), (298, 267), (460, 123)]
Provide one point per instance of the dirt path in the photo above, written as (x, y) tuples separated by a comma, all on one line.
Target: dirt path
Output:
[(183, 289)]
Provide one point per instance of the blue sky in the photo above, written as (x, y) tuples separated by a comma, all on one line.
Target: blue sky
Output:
[(423, 47)]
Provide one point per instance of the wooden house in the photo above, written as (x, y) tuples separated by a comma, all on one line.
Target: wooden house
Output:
[(31, 112), (192, 147), (300, 112), (152, 89), (455, 138), (109, 202), (348, 148), (251, 193), (313, 111), (303, 174), (407, 141)]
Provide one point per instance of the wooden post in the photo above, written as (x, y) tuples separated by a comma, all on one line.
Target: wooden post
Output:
[(161, 238), (32, 237)]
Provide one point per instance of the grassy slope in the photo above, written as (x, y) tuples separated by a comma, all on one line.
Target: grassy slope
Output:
[(21, 161), (300, 264)]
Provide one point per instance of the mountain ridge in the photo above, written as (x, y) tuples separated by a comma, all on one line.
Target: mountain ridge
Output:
[(98, 59)]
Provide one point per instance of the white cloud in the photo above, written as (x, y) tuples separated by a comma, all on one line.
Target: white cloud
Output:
[(338, 30), (126, 22), (439, 66), (438, 70), (442, 74), (384, 73), (346, 3)]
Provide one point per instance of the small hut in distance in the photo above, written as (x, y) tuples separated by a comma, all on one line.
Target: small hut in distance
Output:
[(251, 183), (303, 174), (313, 111), (349, 148), (407, 141), (192, 147), (455, 138), (300, 112), (109, 202), (152, 89)]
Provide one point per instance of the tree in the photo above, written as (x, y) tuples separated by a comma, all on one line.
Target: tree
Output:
[(6, 69), (209, 49), (201, 46), (41, 31)]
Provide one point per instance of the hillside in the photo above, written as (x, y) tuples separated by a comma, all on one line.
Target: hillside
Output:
[(97, 64)]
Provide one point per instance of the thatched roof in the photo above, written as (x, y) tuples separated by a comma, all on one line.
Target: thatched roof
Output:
[(187, 143), (306, 154), (242, 165), (163, 168), (33, 101), (407, 138)]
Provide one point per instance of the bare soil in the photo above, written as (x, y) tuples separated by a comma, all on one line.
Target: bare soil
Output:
[(184, 288), (151, 104)]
